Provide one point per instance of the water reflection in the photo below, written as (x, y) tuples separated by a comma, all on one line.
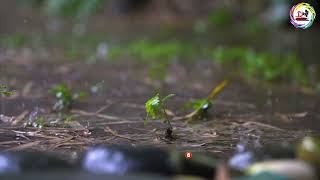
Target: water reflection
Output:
[(103, 160), (8, 164)]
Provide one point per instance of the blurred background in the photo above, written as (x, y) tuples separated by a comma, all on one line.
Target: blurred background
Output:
[(228, 32)]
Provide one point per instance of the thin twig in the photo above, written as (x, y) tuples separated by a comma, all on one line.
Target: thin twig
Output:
[(262, 125), (19, 118), (24, 146), (103, 116), (103, 108), (114, 133)]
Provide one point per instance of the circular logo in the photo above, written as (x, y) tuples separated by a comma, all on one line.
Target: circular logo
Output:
[(188, 155), (302, 15)]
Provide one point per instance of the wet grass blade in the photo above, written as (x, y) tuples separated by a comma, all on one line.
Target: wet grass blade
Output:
[(217, 89)]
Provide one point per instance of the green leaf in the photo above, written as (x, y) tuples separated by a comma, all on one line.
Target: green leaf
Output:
[(7, 93), (153, 107), (199, 104), (4, 91)]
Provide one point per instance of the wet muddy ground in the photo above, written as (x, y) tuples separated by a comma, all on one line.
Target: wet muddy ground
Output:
[(114, 114)]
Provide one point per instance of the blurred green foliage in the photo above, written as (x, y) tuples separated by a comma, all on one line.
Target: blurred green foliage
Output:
[(148, 51), (158, 71), (220, 18), (318, 88), (75, 8), (15, 40), (253, 25), (158, 54), (262, 64)]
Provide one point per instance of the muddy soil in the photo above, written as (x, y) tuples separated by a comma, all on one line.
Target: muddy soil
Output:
[(115, 113)]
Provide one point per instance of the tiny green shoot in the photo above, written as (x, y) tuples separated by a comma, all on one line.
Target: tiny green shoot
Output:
[(65, 97), (201, 106), (156, 109), (4, 91)]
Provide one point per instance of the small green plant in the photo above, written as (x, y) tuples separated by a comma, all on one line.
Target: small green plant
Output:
[(65, 97), (198, 104), (156, 109), (4, 91), (201, 106)]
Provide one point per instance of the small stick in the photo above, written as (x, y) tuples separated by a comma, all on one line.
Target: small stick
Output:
[(19, 118), (114, 133), (262, 125), (24, 146), (103, 116)]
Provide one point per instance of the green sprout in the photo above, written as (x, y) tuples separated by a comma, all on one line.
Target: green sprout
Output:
[(197, 105), (65, 97), (4, 91), (155, 108), (201, 106)]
